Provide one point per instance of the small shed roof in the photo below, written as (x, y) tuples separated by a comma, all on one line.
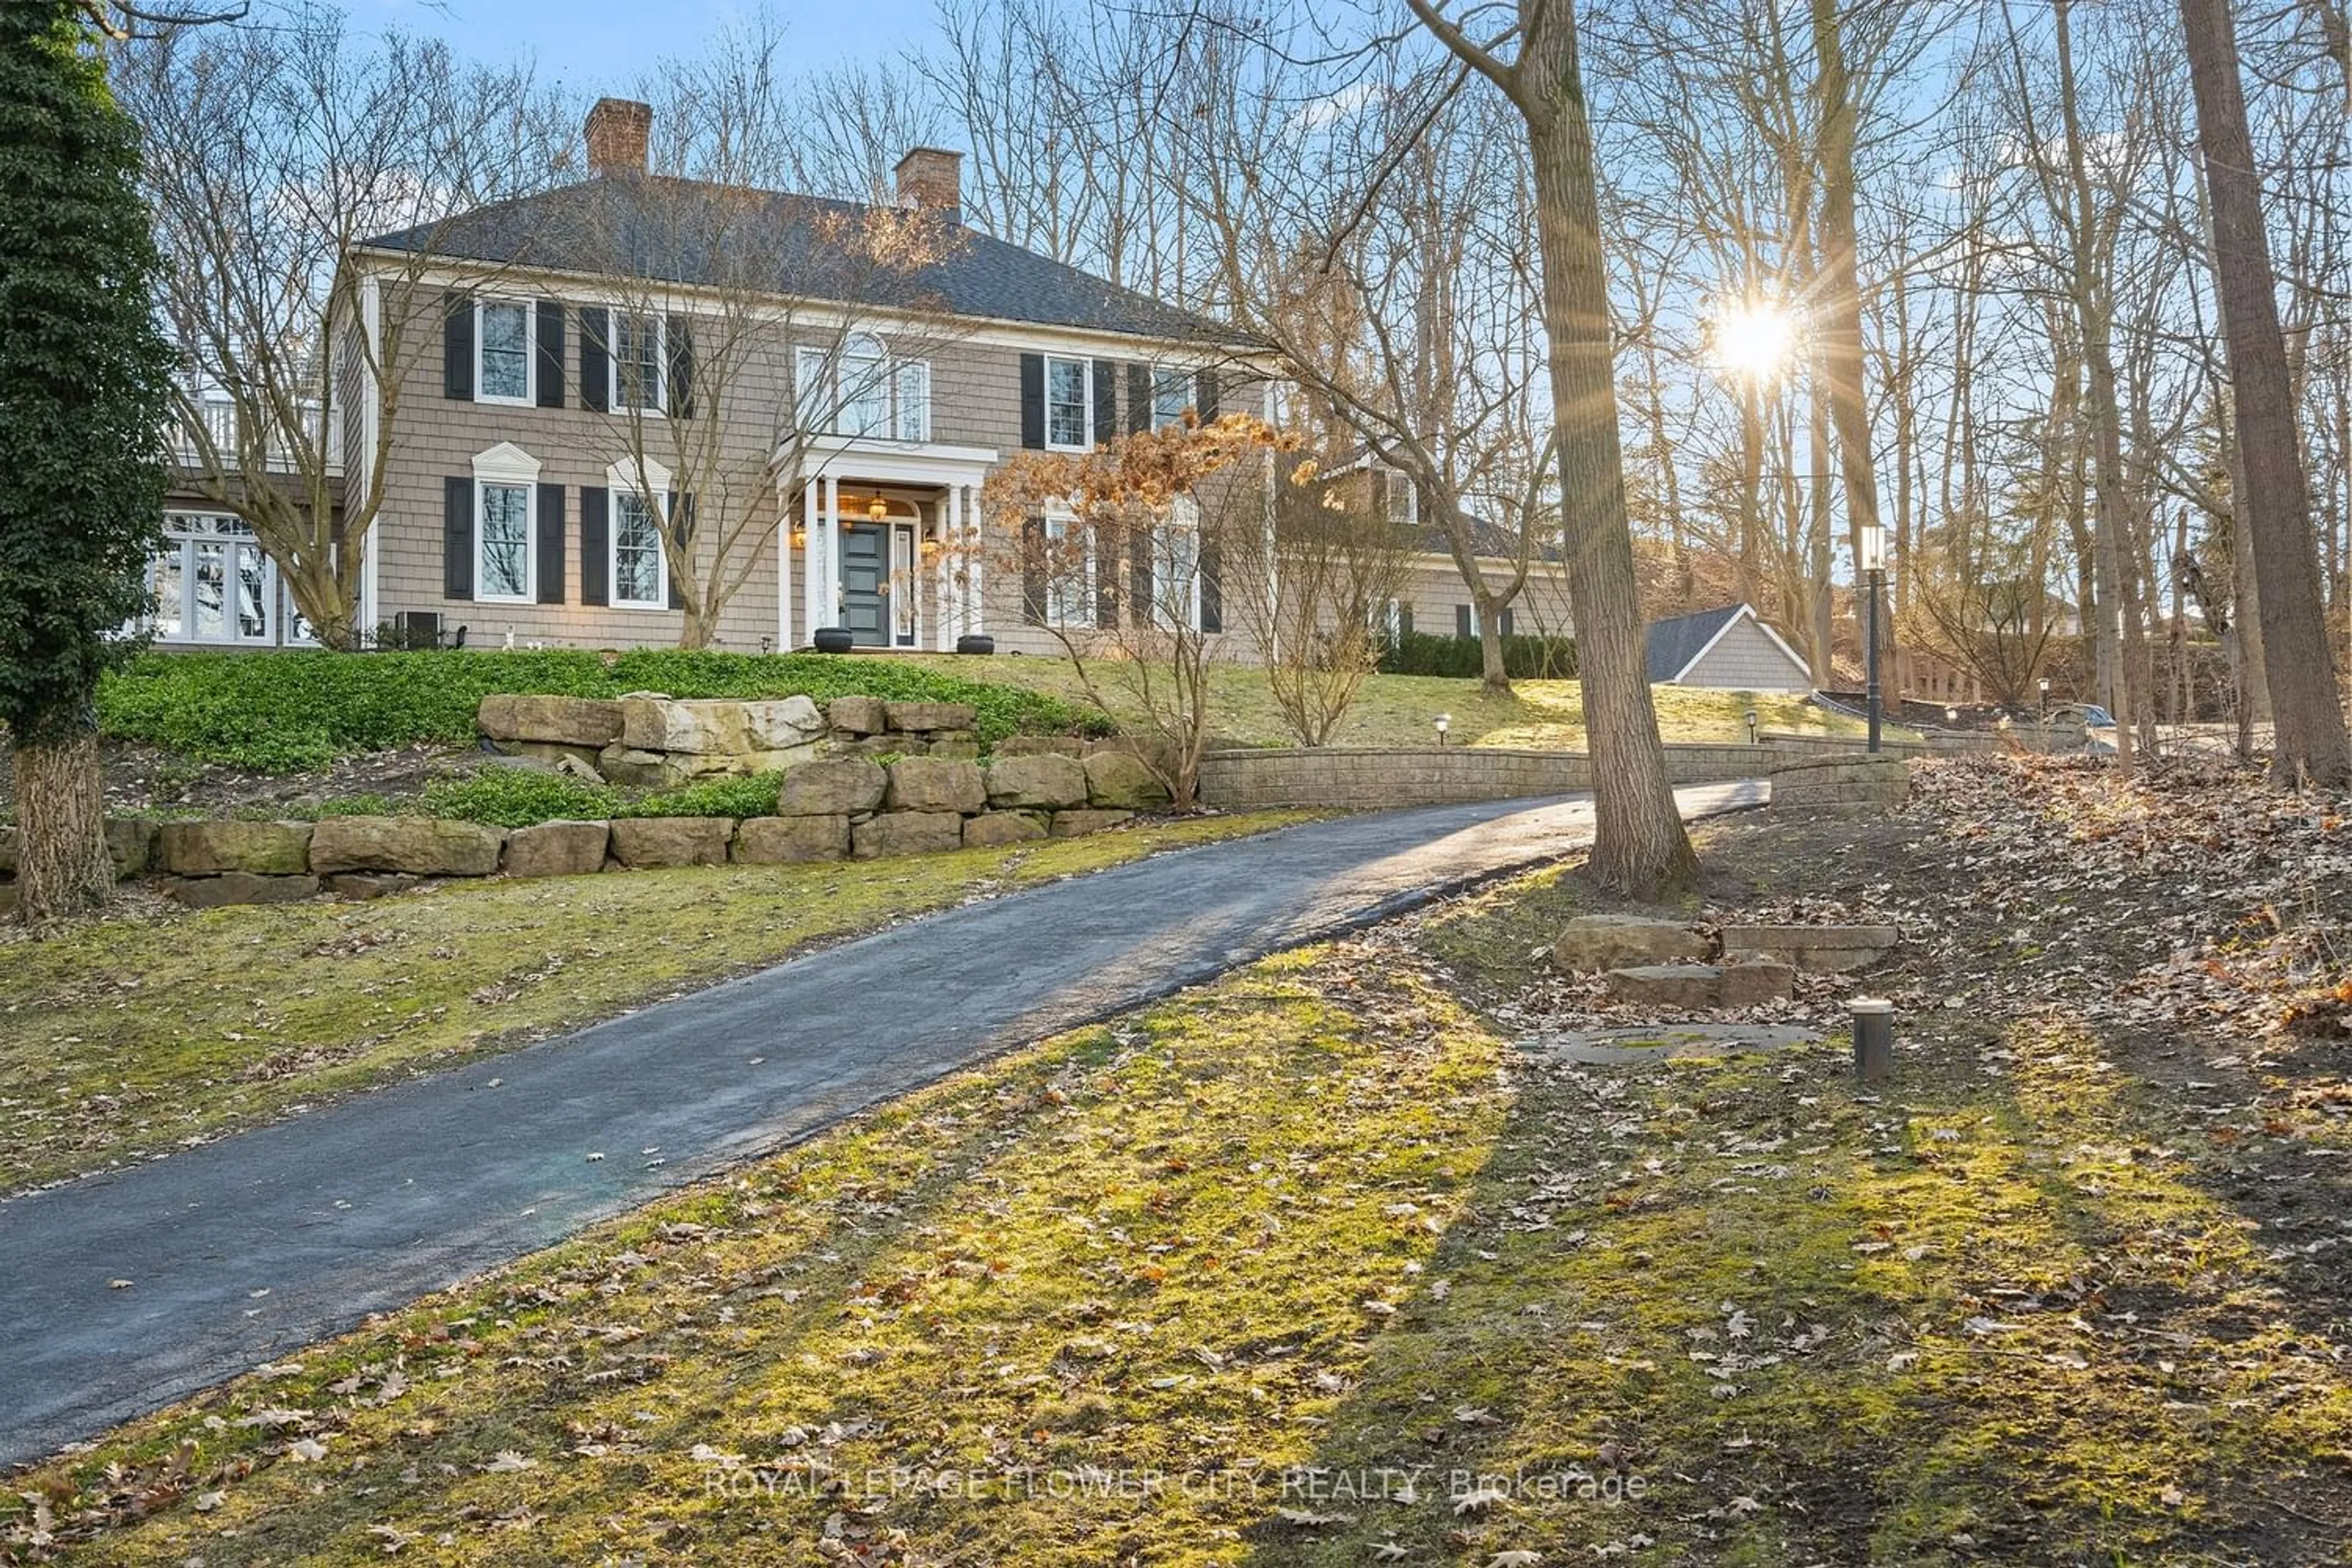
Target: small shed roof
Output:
[(1677, 644)]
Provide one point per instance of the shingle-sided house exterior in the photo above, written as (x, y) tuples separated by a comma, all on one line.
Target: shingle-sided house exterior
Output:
[(1729, 650), (539, 473)]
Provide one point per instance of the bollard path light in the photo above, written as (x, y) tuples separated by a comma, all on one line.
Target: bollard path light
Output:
[(1751, 726), (1874, 1038), (1445, 722)]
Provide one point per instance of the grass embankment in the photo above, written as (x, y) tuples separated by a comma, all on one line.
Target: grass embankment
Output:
[(1400, 709), (134, 1036), (291, 710), (1277, 1272)]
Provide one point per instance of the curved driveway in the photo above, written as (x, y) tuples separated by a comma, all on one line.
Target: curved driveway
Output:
[(248, 1248)]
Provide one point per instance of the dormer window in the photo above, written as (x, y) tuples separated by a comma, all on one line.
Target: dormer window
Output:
[(1400, 500), (860, 389)]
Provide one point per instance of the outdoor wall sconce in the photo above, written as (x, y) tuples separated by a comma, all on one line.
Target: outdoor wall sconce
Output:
[(877, 509), (1445, 722), (800, 539)]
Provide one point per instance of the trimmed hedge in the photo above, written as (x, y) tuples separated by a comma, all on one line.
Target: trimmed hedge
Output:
[(285, 712), (1524, 657)]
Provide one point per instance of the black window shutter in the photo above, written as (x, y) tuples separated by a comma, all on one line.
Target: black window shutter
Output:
[(595, 546), (1503, 623), (1106, 400), (1138, 399), (1033, 401), (1404, 620), (1462, 621), (550, 353), (679, 553), (1212, 588), (595, 359), (551, 544), (457, 347), (680, 333), (457, 538), (1204, 396), (1033, 571), (1144, 601)]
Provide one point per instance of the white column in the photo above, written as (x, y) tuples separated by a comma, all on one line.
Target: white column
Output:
[(811, 552), (829, 591), (975, 536), (947, 596), (783, 572)]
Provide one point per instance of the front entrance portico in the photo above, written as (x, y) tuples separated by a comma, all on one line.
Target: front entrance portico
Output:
[(888, 533)]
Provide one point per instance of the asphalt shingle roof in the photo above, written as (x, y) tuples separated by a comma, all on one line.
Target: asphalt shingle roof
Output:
[(1673, 644), (688, 232)]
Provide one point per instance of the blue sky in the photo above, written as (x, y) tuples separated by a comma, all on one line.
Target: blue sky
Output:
[(599, 44)]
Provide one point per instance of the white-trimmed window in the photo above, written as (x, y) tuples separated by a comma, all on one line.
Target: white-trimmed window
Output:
[(860, 389), (1069, 570), (1176, 566), (1171, 394), (1400, 502), (637, 362), (211, 581), (504, 363), (639, 564), (506, 495), (1067, 404)]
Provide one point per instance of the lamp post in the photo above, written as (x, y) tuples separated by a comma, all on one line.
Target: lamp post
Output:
[(1871, 557), (1751, 726), (2044, 684)]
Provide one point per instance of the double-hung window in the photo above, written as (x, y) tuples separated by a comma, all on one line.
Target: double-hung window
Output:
[(1176, 566), (639, 581), (1171, 394), (636, 363), (1066, 403), (1400, 500), (502, 351), (1069, 570), (502, 541)]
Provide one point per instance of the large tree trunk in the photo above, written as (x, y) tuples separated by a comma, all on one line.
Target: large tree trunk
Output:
[(1639, 846), (2277, 502), (1494, 676), (62, 866), (1840, 276)]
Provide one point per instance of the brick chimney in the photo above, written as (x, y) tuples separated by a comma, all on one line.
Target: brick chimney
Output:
[(618, 129), (932, 177)]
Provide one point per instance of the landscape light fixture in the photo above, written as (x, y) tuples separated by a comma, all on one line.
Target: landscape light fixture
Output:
[(1951, 715), (1751, 726), (1445, 722), (2044, 684), (1869, 557)]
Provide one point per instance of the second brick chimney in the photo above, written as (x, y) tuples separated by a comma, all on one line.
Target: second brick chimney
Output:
[(932, 177), (618, 129)]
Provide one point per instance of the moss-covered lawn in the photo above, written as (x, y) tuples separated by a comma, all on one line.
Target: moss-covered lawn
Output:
[(1314, 1267), (1400, 709), (136, 1036)]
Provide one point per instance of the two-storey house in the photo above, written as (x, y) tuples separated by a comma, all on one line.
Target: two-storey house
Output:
[(620, 432)]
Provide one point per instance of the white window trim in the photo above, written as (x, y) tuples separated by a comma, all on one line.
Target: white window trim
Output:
[(529, 308), (650, 483), (1390, 481), (179, 539), (1184, 516), (660, 404), (507, 464), (819, 402), (1085, 403), (1089, 592)]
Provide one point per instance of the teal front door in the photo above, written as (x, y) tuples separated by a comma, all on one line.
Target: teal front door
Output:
[(866, 583)]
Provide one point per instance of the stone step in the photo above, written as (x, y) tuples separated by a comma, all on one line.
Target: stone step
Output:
[(1815, 948), (1698, 988)]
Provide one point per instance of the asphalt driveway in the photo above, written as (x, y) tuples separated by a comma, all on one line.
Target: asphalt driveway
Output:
[(241, 1251)]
